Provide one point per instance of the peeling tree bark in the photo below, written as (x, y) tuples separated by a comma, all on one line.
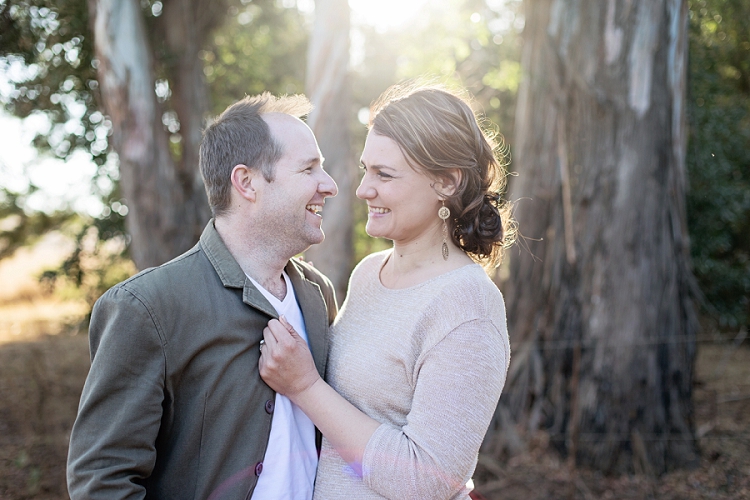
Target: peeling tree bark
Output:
[(328, 86), (601, 316), (166, 200)]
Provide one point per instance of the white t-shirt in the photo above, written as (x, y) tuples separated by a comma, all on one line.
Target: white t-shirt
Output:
[(291, 457)]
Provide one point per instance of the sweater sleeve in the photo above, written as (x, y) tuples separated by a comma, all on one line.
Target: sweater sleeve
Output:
[(112, 446), (457, 389)]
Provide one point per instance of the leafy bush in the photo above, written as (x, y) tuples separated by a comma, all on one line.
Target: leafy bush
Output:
[(718, 158)]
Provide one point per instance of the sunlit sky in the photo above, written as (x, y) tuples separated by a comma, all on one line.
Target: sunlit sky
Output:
[(68, 184), (385, 14), (61, 183)]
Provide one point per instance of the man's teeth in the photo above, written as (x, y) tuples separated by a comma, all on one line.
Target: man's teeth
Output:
[(316, 209), (379, 210)]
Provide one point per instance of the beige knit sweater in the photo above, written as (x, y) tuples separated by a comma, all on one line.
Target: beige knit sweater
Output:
[(429, 363)]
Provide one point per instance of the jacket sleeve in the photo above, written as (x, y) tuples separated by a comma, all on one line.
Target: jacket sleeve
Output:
[(112, 444), (458, 386)]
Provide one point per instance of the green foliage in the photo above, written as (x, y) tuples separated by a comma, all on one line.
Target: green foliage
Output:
[(47, 51), (718, 157), (98, 261), (19, 228), (47, 44), (262, 46)]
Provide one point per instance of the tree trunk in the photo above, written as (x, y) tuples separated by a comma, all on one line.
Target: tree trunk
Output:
[(328, 86), (599, 308), (185, 25), (166, 209)]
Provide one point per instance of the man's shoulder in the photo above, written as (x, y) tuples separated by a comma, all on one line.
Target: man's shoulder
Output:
[(326, 287), (166, 276), (311, 273)]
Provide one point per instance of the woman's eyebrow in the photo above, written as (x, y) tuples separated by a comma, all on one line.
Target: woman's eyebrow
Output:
[(378, 166)]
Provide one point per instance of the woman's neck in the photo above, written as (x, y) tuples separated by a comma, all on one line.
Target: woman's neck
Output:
[(416, 261)]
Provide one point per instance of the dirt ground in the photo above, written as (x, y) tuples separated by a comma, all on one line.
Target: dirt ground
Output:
[(722, 411), (44, 360)]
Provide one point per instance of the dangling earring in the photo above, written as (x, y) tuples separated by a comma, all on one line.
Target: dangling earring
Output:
[(444, 212)]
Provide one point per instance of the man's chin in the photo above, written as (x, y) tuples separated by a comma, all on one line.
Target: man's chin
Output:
[(316, 237), (318, 241), (312, 240)]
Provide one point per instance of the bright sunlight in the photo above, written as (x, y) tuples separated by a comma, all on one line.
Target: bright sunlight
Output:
[(385, 14)]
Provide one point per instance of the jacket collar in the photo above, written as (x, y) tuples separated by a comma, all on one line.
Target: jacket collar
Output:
[(308, 293), (312, 304), (224, 263)]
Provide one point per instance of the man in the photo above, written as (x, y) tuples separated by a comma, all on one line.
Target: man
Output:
[(173, 406)]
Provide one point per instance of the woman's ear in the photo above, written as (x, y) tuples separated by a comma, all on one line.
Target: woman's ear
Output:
[(446, 185), (243, 180)]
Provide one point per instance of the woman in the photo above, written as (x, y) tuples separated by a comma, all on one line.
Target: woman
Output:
[(419, 352)]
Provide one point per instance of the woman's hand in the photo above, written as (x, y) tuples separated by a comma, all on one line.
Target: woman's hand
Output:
[(287, 366), (286, 363)]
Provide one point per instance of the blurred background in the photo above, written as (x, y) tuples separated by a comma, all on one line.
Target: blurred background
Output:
[(626, 126)]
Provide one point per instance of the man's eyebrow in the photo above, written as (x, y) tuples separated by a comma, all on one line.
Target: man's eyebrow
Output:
[(313, 161)]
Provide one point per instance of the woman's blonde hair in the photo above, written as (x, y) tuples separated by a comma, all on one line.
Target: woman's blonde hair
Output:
[(439, 133)]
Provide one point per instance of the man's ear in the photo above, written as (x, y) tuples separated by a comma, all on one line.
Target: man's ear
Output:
[(244, 180), (446, 185)]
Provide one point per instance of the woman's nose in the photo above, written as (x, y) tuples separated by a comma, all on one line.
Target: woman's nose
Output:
[(364, 191)]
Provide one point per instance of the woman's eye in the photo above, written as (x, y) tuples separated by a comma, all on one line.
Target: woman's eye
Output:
[(383, 175)]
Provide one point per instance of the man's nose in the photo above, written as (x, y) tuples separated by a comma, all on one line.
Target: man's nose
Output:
[(328, 186)]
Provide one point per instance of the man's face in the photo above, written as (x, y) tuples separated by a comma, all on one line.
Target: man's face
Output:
[(291, 205)]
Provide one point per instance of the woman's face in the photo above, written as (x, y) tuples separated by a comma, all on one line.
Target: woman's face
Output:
[(402, 204)]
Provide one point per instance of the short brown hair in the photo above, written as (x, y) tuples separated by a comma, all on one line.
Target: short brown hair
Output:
[(437, 131), (240, 136)]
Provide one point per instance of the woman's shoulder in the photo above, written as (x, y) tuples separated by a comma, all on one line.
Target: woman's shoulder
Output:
[(464, 304), (464, 295), (365, 274), (375, 257), (467, 286), (371, 263)]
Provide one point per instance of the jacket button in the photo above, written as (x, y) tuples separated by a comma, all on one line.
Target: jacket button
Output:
[(269, 406), (258, 468)]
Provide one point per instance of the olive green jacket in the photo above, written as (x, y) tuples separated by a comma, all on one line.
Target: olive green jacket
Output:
[(173, 406)]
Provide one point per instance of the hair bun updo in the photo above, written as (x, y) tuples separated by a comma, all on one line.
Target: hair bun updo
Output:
[(480, 228)]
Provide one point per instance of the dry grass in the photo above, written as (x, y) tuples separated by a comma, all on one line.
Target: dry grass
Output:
[(27, 309), (18, 275), (28, 320)]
